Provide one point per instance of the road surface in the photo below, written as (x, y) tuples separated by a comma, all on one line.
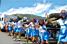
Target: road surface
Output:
[(5, 39)]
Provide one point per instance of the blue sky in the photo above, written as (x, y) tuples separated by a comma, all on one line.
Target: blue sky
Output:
[(8, 4)]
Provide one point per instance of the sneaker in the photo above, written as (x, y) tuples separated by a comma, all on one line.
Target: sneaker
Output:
[(9, 35), (18, 39), (14, 39)]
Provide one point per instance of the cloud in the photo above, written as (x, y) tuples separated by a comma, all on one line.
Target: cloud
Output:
[(36, 10), (39, 9), (58, 9), (44, 10)]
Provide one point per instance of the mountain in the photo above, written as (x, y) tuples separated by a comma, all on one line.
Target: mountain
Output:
[(30, 16)]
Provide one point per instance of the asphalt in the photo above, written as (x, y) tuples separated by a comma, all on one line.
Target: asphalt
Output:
[(5, 39)]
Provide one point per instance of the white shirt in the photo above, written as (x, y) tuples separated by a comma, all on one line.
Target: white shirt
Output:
[(63, 27), (60, 21), (41, 29)]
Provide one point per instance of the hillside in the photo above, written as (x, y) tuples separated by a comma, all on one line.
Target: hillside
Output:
[(30, 16)]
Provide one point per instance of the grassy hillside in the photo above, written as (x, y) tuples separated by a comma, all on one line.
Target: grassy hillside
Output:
[(30, 16)]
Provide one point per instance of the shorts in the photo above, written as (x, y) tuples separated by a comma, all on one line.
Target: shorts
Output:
[(21, 29), (43, 36), (16, 30), (9, 29), (35, 33), (29, 32)]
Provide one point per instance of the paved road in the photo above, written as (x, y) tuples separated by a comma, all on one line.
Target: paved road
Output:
[(5, 39)]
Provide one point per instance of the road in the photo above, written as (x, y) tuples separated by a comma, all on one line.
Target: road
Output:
[(5, 39)]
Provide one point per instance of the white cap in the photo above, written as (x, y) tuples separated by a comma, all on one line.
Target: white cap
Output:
[(36, 23), (31, 24), (24, 18)]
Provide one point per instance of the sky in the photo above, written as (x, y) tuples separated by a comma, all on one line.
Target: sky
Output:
[(37, 7)]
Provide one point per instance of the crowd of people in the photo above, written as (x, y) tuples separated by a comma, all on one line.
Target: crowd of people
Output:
[(39, 30)]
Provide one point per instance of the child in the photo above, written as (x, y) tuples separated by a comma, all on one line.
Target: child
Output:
[(44, 35), (6, 27), (35, 33), (15, 29), (19, 30), (62, 32), (65, 40), (9, 29), (28, 32)]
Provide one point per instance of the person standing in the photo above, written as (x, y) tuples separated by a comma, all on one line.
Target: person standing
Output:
[(62, 38)]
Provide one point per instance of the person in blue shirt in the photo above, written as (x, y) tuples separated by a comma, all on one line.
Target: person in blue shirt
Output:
[(29, 28), (43, 33), (18, 30), (15, 30), (35, 33), (9, 28), (63, 27), (62, 37), (28, 31)]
